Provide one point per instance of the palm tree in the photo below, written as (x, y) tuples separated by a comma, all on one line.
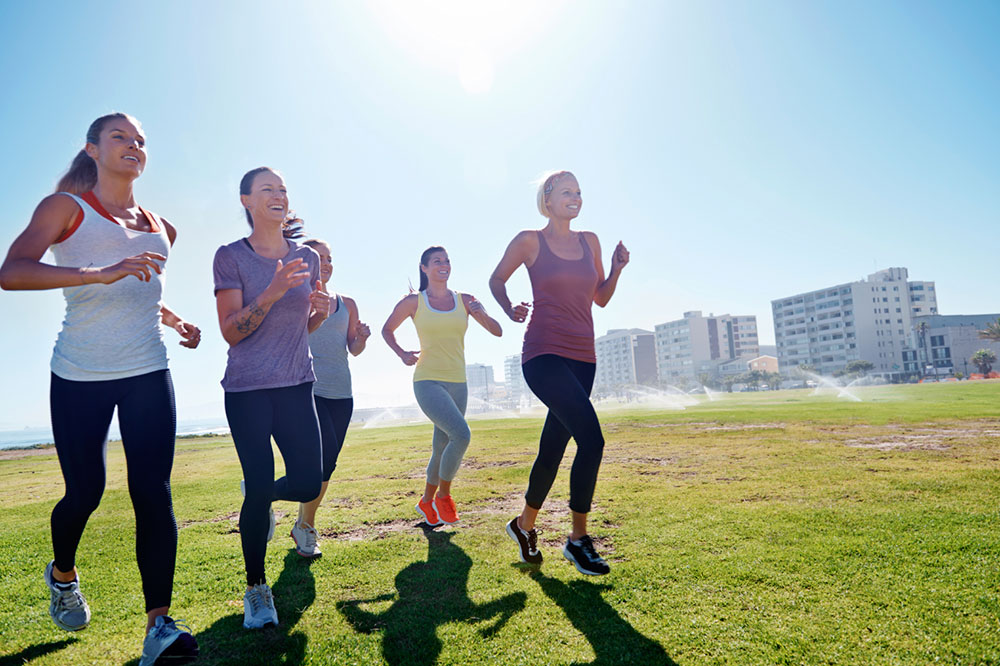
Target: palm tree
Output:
[(991, 332), (984, 360)]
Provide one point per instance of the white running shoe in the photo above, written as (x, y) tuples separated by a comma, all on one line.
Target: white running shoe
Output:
[(168, 641), (68, 608), (270, 527), (306, 540), (258, 607)]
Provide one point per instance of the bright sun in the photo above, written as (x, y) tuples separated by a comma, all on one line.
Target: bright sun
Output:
[(469, 39)]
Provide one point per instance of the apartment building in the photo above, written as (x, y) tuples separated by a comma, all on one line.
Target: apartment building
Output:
[(951, 340), (868, 319), (479, 380), (517, 392), (696, 344), (625, 356)]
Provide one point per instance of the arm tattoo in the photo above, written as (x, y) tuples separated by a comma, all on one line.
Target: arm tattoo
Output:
[(249, 323)]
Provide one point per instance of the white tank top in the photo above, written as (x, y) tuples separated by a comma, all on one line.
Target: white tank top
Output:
[(111, 331)]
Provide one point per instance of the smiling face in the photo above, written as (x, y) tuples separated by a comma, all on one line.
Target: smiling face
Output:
[(267, 201), (437, 268), (120, 148), (325, 260), (564, 201)]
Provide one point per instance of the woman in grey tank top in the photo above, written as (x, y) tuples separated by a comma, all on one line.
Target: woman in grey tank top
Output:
[(341, 333), (110, 254)]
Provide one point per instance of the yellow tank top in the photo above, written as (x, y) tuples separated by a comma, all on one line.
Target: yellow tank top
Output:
[(442, 340)]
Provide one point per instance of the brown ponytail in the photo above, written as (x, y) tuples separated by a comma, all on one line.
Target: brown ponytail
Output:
[(82, 173)]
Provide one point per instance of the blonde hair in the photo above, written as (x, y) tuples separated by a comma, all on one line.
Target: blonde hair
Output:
[(546, 183)]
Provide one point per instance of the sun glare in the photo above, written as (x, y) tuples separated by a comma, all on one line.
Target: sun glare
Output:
[(468, 39)]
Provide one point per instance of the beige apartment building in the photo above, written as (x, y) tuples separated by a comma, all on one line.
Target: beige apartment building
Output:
[(868, 319)]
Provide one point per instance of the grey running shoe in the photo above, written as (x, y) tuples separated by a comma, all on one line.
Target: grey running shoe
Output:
[(585, 558), (68, 608), (306, 540), (270, 527), (527, 542), (168, 642), (258, 607)]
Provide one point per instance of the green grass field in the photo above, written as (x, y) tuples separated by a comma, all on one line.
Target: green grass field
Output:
[(758, 529)]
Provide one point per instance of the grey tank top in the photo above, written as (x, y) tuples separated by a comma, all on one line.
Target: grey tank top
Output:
[(111, 331), (328, 345)]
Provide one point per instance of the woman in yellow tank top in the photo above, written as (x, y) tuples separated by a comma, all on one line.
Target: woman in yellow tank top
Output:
[(441, 317)]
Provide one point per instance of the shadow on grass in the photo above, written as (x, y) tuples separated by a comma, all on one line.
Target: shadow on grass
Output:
[(429, 594), (614, 640), (227, 642), (34, 652)]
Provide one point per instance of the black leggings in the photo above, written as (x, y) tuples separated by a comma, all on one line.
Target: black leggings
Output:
[(288, 414), (334, 417), (564, 386), (81, 417)]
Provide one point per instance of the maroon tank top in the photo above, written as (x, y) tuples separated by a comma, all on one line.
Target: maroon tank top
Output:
[(563, 292)]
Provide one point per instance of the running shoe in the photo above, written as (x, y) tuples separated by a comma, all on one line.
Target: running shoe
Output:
[(527, 542), (168, 642), (426, 509), (271, 525), (68, 608), (258, 607), (584, 557), (306, 540), (445, 508)]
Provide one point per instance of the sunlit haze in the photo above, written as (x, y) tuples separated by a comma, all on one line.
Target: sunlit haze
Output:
[(742, 151)]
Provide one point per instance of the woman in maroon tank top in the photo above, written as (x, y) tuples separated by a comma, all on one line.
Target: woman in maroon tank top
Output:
[(558, 359)]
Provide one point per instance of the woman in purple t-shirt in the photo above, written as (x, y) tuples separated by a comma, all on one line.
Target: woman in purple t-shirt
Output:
[(558, 359), (269, 298)]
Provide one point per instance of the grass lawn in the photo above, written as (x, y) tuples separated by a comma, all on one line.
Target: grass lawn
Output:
[(767, 528)]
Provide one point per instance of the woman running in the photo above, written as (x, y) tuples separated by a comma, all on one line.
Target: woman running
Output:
[(441, 317), (109, 258), (341, 333), (267, 305), (558, 359)]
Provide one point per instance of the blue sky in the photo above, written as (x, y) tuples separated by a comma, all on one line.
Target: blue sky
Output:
[(743, 151)]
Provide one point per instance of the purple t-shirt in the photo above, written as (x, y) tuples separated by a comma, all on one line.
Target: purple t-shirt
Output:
[(277, 353)]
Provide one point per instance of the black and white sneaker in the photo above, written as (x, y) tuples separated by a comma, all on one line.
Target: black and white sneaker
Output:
[(527, 542), (585, 558)]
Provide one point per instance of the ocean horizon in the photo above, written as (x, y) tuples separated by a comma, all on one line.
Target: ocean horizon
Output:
[(39, 436)]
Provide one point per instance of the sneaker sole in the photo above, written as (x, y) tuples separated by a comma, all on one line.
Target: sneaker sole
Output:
[(510, 533), (261, 626), (313, 556), (66, 627), (569, 556), (426, 519)]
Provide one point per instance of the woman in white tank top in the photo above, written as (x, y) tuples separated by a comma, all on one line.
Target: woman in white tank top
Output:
[(110, 254)]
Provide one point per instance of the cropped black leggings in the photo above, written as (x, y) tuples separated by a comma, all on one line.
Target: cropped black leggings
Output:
[(564, 386), (288, 414), (334, 417), (81, 417)]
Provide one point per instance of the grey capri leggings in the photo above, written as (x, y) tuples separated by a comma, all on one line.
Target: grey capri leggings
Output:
[(444, 404)]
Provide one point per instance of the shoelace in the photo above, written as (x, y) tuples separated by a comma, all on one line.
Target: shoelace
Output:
[(532, 541), (259, 596), (169, 627), (71, 598), (311, 536), (587, 546)]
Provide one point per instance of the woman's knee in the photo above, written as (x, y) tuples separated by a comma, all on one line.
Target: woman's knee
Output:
[(305, 488)]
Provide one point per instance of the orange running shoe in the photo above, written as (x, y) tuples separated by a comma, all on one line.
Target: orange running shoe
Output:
[(445, 507), (426, 509)]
